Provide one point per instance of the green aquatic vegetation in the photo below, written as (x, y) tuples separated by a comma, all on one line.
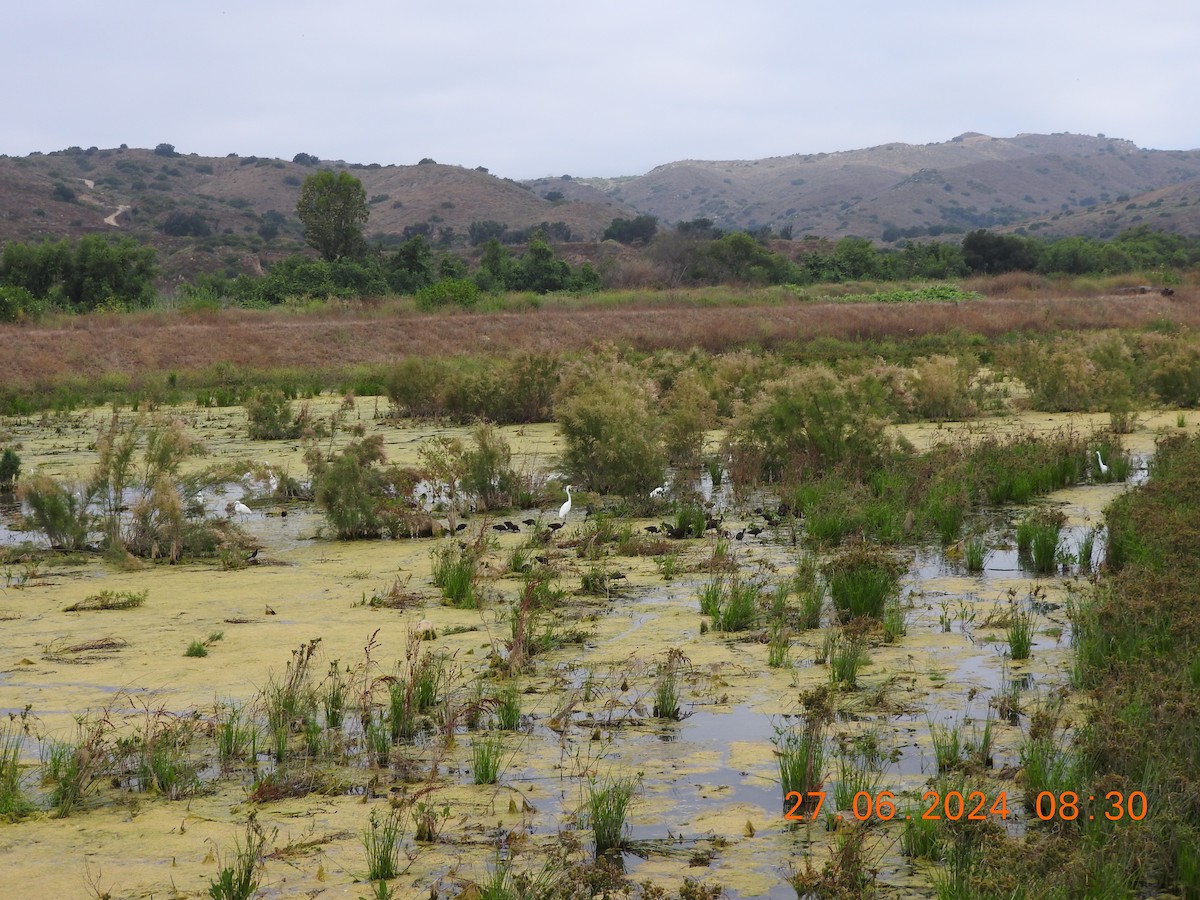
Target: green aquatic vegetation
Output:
[(862, 580), (608, 802), (486, 754), (800, 754), (381, 842), (240, 866), (14, 803)]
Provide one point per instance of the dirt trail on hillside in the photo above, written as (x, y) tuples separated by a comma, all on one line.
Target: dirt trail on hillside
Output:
[(112, 220)]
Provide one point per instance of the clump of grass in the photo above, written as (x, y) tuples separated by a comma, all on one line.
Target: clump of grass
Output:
[(667, 565), (976, 553), (381, 842), (947, 746), (666, 690), (333, 696), (239, 867), (235, 736), (847, 655), (862, 580), (980, 745), (289, 700), (732, 603), (1021, 628), (402, 715), (163, 767), (109, 600), (778, 646), (921, 836), (73, 767), (196, 648), (13, 802), (485, 759), (508, 709), (895, 624), (1037, 541), (454, 571), (595, 581), (858, 769), (1044, 552), (608, 804), (1087, 550), (801, 758)]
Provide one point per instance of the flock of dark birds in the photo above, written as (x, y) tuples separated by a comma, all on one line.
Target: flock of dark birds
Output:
[(676, 532)]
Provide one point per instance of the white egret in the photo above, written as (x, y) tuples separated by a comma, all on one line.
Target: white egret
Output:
[(242, 509), (566, 507), (1103, 467)]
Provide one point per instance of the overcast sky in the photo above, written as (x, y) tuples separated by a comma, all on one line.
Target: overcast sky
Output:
[(529, 88)]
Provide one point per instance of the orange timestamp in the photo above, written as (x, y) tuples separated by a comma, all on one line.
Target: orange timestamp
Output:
[(974, 806)]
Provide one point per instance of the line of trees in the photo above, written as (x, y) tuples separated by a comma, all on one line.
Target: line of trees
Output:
[(91, 273), (697, 253), (97, 272)]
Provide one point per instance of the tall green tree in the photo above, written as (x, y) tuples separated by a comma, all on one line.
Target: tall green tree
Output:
[(333, 209)]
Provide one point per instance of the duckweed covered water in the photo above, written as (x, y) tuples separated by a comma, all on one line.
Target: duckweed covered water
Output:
[(710, 782)]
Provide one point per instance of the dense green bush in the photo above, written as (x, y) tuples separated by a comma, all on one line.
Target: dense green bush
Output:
[(810, 420), (610, 429), (55, 511), (90, 273), (269, 415), (362, 497), (348, 488), (940, 388), (10, 469), (448, 292), (16, 303), (487, 469)]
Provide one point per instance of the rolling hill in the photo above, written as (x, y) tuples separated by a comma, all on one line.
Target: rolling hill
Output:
[(234, 213)]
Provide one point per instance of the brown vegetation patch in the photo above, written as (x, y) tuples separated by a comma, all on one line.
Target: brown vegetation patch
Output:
[(84, 652), (144, 347)]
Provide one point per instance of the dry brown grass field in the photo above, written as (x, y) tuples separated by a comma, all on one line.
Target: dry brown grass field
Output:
[(145, 345)]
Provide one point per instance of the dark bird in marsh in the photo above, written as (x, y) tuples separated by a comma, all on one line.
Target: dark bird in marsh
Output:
[(511, 526), (529, 522), (754, 531), (460, 526), (253, 555), (554, 526), (653, 529)]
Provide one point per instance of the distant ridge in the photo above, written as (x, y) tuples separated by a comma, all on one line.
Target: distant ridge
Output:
[(235, 213)]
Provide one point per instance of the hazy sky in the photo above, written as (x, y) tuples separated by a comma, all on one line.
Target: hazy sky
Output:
[(529, 88)]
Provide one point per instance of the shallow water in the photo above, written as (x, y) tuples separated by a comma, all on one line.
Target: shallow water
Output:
[(587, 707)]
